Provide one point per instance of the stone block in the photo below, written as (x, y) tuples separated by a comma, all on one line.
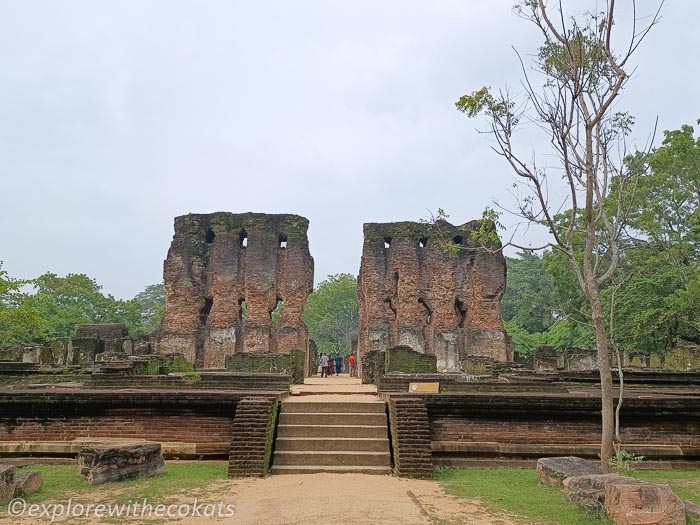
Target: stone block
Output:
[(28, 482), (102, 331), (554, 471), (11, 353), (31, 354), (644, 504), (107, 463), (85, 350), (587, 492), (7, 482)]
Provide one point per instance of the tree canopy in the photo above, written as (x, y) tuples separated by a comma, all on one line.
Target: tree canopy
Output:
[(36, 310), (331, 313)]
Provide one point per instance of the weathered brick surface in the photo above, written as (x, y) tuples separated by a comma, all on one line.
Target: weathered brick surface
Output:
[(103, 331), (291, 364), (422, 297), (253, 437), (220, 291), (109, 463), (201, 419), (531, 425), (410, 436), (404, 359), (372, 365), (207, 381)]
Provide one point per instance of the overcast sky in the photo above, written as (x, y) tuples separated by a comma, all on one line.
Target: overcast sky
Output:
[(115, 117)]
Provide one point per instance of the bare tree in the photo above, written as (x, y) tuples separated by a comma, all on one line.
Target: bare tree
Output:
[(581, 188)]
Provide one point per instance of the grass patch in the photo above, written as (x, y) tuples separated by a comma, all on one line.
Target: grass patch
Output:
[(517, 491), (685, 483), (62, 481)]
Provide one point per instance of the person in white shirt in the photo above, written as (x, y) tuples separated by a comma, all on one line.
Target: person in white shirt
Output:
[(324, 365)]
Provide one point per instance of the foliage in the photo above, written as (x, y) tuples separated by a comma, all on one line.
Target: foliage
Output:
[(659, 271), (63, 302), (516, 491), (579, 72), (331, 313), (528, 300), (663, 276), (37, 310), (18, 324), (624, 462), (152, 303)]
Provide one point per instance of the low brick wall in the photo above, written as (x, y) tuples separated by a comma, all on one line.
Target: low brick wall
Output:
[(291, 364), (372, 366), (203, 380), (406, 360), (528, 425), (193, 424), (410, 437), (253, 437)]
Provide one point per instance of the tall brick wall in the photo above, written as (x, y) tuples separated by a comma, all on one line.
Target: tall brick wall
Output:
[(411, 292), (224, 276)]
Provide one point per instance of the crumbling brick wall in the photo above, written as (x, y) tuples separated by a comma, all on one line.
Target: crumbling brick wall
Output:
[(225, 275), (411, 292)]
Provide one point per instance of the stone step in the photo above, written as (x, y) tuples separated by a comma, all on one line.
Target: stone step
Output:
[(332, 418), (323, 444), (332, 458), (317, 469), (326, 431), (316, 407)]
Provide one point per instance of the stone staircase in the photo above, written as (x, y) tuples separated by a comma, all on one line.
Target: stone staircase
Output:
[(339, 433)]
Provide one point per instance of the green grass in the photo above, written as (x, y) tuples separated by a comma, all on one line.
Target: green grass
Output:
[(63, 480), (517, 491), (685, 483)]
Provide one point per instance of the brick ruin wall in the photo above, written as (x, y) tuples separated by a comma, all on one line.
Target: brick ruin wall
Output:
[(411, 292), (225, 275)]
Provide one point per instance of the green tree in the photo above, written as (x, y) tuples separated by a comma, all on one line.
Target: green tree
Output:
[(529, 297), (658, 298), (18, 323), (579, 73), (152, 303), (63, 302), (331, 313)]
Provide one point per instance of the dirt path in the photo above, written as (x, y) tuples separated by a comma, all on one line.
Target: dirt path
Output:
[(313, 499), (351, 499)]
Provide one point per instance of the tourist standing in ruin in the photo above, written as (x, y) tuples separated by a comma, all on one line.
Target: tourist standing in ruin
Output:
[(331, 365), (338, 364), (353, 365), (324, 365)]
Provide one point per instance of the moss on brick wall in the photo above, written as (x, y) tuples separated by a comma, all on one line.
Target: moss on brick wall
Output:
[(372, 366), (404, 359), (291, 364)]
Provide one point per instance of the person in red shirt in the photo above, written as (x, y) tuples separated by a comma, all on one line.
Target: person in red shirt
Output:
[(353, 365)]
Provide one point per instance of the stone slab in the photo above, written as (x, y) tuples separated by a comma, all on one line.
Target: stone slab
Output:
[(644, 504), (103, 464), (28, 482), (554, 471), (588, 492), (7, 482)]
